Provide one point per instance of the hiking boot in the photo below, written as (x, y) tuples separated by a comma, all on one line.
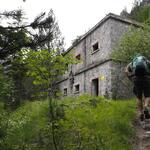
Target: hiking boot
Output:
[(141, 117), (146, 114)]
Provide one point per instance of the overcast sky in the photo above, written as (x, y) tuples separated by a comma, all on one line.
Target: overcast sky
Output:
[(75, 17)]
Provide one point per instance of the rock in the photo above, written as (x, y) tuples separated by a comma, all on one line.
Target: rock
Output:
[(142, 135)]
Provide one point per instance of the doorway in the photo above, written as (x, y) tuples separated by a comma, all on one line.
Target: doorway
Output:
[(95, 87)]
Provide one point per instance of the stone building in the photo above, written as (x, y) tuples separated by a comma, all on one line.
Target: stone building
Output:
[(97, 73)]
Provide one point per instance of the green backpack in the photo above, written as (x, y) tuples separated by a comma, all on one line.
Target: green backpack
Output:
[(140, 66)]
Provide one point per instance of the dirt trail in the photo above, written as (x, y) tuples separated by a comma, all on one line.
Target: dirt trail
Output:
[(142, 135)]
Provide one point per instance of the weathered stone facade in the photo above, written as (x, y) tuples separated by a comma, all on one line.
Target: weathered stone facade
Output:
[(97, 74)]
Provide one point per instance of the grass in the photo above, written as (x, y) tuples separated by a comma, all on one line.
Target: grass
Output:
[(24, 126), (90, 123), (102, 123)]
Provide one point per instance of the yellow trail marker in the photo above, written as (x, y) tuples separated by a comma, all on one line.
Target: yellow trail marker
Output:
[(102, 77)]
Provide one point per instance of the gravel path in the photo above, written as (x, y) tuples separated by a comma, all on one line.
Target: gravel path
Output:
[(142, 135)]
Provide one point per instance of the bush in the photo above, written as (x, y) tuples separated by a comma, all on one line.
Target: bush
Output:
[(107, 125), (135, 41), (26, 125), (85, 122), (3, 123)]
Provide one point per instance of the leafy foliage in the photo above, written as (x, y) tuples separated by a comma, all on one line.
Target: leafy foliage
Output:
[(136, 40), (6, 88), (140, 11), (17, 35), (89, 122), (46, 67), (3, 122), (95, 123), (17, 72), (25, 126), (43, 32)]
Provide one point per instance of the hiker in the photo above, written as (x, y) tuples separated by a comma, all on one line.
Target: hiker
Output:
[(138, 71)]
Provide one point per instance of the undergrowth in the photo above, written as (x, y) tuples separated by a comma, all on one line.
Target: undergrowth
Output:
[(88, 123), (94, 123)]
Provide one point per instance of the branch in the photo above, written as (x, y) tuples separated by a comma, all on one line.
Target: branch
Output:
[(15, 28)]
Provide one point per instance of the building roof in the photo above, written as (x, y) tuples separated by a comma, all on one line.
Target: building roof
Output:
[(110, 15)]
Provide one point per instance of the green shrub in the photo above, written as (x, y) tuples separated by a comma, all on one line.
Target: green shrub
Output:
[(26, 125), (106, 126), (3, 123), (83, 123)]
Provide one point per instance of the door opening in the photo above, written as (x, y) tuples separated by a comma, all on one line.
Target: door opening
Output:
[(95, 87)]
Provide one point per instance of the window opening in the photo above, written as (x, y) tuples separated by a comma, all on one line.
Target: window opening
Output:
[(77, 88), (95, 47), (65, 91), (78, 57)]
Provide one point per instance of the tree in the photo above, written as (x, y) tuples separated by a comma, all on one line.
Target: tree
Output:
[(124, 13), (17, 73), (43, 32), (76, 40), (140, 11), (136, 40), (46, 68), (7, 89)]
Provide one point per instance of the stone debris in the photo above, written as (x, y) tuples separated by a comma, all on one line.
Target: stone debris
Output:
[(142, 135)]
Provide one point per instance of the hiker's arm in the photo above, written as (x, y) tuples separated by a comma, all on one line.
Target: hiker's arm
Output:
[(128, 70)]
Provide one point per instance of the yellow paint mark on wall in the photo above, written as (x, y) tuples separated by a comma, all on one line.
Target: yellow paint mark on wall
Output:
[(102, 77)]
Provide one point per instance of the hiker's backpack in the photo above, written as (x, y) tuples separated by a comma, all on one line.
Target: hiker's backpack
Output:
[(140, 66)]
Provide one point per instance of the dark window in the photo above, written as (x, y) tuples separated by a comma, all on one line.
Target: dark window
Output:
[(65, 91), (95, 47), (77, 88), (78, 57)]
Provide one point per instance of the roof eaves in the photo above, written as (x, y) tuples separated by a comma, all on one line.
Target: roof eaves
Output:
[(110, 15)]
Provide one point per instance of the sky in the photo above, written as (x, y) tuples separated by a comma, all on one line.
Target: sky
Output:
[(74, 17)]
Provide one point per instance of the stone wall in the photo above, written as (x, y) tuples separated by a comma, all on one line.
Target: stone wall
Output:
[(121, 85), (102, 36), (118, 29), (84, 80), (103, 73)]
